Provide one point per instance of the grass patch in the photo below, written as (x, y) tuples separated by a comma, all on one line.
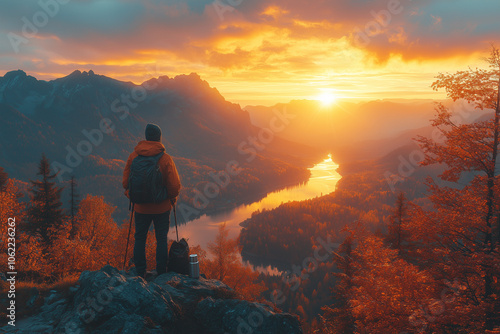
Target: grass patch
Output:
[(26, 290)]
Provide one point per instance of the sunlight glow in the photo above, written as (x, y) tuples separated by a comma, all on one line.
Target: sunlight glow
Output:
[(327, 98)]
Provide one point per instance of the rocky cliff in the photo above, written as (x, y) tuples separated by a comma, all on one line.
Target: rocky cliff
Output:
[(112, 301)]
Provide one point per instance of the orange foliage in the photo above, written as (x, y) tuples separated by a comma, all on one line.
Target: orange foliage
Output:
[(387, 290), (465, 237), (227, 267), (9, 208), (27, 249)]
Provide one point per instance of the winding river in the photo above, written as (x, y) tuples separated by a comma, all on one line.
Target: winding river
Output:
[(203, 230)]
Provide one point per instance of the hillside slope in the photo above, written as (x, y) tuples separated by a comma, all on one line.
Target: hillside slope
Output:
[(88, 124)]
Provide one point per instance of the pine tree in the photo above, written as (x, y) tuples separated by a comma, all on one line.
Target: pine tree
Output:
[(3, 179), (337, 318), (45, 214), (396, 235), (74, 205)]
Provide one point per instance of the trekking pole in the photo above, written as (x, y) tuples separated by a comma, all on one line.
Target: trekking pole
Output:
[(128, 237), (175, 219)]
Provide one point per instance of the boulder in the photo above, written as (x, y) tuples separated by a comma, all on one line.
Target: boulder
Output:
[(239, 316), (34, 295), (113, 301), (189, 291)]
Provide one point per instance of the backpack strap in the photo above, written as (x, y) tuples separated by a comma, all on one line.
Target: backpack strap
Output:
[(175, 219), (158, 156)]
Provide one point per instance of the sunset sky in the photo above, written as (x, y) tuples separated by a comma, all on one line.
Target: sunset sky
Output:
[(255, 51)]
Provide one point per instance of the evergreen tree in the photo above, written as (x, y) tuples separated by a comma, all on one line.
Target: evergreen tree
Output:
[(74, 205), (338, 318), (3, 179), (45, 214), (397, 235)]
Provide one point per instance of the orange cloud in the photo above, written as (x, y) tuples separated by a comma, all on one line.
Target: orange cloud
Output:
[(264, 51)]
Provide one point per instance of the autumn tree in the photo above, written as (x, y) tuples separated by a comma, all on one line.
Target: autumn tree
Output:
[(10, 212), (464, 229), (96, 227), (45, 214), (225, 253), (29, 259), (376, 291), (387, 291), (226, 266), (95, 242), (244, 280), (470, 147), (3, 178)]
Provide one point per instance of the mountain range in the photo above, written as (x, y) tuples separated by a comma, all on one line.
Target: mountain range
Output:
[(362, 130), (88, 124)]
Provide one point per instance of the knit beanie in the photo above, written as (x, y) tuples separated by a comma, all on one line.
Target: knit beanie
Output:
[(153, 132)]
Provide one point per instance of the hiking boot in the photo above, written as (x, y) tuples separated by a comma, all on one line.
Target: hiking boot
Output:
[(133, 272)]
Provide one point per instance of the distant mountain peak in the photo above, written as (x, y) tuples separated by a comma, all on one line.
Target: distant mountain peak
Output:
[(19, 80), (17, 77), (192, 77), (75, 73), (80, 79), (79, 74), (15, 73)]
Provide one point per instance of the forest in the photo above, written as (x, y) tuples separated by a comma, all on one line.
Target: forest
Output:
[(364, 259), (54, 246), (407, 261)]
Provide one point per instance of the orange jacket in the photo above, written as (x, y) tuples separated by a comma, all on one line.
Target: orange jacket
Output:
[(167, 169)]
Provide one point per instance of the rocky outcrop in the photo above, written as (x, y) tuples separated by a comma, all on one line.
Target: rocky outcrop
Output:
[(112, 301)]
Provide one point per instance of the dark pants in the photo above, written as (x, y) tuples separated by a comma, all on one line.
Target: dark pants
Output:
[(161, 224)]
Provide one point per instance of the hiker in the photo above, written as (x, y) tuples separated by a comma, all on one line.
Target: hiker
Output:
[(145, 212)]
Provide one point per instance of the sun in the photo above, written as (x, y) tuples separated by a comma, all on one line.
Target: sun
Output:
[(327, 99)]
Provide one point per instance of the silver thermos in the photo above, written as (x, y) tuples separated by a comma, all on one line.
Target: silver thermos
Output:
[(194, 266)]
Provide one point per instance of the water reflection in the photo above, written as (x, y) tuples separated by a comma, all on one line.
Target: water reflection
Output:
[(203, 230)]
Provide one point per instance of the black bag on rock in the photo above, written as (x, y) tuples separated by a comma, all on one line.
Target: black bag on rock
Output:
[(178, 255)]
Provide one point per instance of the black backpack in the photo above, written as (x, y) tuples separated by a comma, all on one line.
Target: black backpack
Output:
[(178, 257), (146, 181)]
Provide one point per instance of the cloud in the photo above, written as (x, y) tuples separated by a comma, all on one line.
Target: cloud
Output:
[(253, 40), (119, 26), (435, 29)]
